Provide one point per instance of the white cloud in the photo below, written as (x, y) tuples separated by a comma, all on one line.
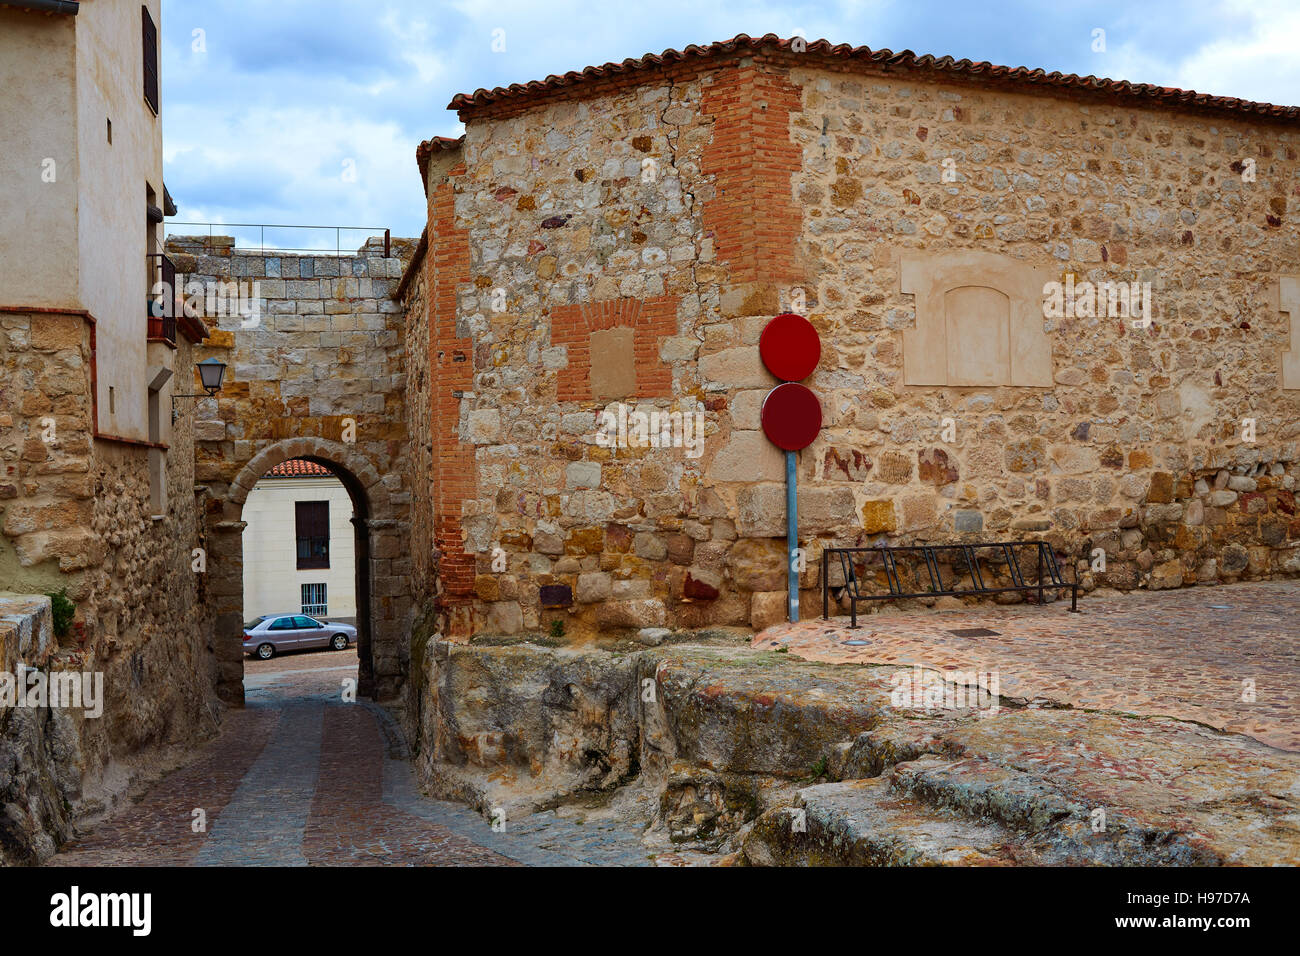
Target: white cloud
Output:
[(1265, 66), (1258, 61)]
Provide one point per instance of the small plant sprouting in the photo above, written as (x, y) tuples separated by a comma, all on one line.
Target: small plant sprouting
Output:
[(63, 609), (818, 769), (557, 629)]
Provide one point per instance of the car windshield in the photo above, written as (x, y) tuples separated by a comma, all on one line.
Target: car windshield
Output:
[(254, 622)]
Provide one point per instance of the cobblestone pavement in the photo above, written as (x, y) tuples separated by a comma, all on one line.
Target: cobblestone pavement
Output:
[(1187, 653), (299, 777)]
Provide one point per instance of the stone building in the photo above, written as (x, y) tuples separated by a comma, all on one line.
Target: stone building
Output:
[(315, 359), (612, 242), (97, 492), (298, 544)]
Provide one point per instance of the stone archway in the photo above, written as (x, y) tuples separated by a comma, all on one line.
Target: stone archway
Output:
[(378, 544)]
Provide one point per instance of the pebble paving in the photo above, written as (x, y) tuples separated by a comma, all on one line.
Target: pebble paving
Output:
[(1227, 657), (301, 778)]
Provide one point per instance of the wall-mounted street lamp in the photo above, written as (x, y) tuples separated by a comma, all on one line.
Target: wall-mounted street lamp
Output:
[(211, 373)]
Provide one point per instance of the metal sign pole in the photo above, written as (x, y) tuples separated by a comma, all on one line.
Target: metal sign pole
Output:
[(791, 416), (792, 534)]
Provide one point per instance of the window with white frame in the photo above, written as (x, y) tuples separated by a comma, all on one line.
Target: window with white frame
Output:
[(313, 600)]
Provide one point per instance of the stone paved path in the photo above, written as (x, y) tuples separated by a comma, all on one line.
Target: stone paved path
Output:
[(1186, 654), (301, 778)]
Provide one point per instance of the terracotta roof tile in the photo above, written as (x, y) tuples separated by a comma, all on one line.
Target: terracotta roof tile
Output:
[(299, 468), (1158, 96), (436, 144)]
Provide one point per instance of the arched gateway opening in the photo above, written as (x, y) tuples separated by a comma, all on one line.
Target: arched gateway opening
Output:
[(377, 544)]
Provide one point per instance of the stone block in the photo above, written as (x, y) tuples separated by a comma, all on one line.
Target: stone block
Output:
[(757, 564), (504, 617), (582, 474), (740, 367), (894, 467), (761, 510), (593, 586), (681, 548), (646, 612), (845, 464), (483, 426), (935, 468), (701, 585), (653, 636), (585, 541), (767, 608), (555, 595), (824, 510), (210, 431), (878, 516), (1162, 488), (746, 407), (649, 546), (748, 456)]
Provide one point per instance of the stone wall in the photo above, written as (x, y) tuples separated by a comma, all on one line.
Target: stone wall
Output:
[(721, 193), (1135, 444), (79, 515), (39, 747), (46, 437), (314, 370)]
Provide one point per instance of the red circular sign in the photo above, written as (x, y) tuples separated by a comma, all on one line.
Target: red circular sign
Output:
[(790, 347), (791, 416)]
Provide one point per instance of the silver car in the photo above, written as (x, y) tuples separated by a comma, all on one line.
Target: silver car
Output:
[(268, 635)]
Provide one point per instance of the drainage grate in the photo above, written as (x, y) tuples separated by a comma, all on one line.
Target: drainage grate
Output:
[(975, 632)]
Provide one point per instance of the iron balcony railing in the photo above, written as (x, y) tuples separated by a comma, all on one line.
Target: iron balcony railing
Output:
[(162, 307), (254, 235)]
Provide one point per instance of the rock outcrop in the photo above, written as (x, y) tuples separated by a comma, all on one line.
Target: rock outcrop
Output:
[(758, 758)]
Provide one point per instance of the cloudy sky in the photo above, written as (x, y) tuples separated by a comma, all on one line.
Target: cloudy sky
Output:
[(309, 111)]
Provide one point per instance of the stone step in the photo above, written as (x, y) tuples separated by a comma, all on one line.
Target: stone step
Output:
[(869, 823), (1054, 826)]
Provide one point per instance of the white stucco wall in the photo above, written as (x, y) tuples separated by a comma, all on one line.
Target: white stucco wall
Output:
[(79, 242), (38, 219), (272, 581), (111, 203)]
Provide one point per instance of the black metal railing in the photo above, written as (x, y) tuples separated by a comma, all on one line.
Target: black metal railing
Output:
[(1000, 559), (162, 307), (254, 235)]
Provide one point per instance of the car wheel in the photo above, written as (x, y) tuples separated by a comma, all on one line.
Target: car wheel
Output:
[(339, 642), (266, 651)]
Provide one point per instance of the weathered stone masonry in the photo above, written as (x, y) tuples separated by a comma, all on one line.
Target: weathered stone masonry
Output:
[(77, 515), (317, 373), (727, 187)]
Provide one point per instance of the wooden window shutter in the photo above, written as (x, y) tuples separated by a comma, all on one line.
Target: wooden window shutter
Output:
[(312, 520), (149, 34)]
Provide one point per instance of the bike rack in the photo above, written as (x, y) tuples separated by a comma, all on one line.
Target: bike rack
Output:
[(968, 555)]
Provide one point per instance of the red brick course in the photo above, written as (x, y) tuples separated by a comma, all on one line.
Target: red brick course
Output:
[(753, 219), (452, 369)]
